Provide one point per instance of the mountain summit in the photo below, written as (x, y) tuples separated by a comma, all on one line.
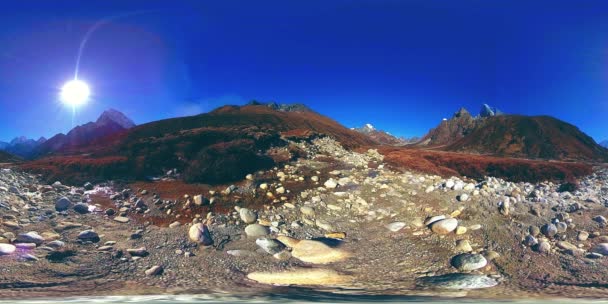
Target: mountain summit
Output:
[(117, 117), (109, 123)]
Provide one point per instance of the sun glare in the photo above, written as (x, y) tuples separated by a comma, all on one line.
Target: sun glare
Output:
[(75, 93)]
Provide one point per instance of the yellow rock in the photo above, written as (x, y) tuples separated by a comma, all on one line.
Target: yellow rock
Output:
[(264, 222), (300, 277), (336, 235), (316, 252), (455, 213), (461, 230)]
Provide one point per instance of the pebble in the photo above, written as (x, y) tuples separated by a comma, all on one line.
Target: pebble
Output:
[(463, 197), (121, 219), (199, 233), (395, 226), (463, 246), (331, 184), (469, 262), (248, 216), (6, 249), (549, 230), (89, 235), (256, 230), (30, 237), (154, 270), (81, 208), (63, 204), (444, 226), (543, 247), (582, 236)]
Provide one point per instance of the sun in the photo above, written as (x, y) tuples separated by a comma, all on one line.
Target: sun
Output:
[(75, 93)]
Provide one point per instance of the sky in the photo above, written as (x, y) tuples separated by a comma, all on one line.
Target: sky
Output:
[(402, 65)]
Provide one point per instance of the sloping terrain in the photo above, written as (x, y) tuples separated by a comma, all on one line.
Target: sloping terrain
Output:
[(381, 137), (538, 137), (6, 157), (218, 146), (478, 166)]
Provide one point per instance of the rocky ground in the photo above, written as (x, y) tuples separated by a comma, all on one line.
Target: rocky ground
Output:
[(333, 221)]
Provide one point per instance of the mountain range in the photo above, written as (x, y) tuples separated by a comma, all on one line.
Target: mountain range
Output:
[(230, 141), (109, 122)]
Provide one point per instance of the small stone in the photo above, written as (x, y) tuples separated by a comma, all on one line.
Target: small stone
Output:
[(63, 204), (248, 216), (304, 276), (88, 186), (174, 224), (582, 236), (30, 237), (6, 249), (543, 247), (308, 211), (89, 235), (434, 219), (110, 212), (534, 230), (549, 230), (395, 226), (463, 246), (138, 252), (530, 240), (256, 230), (444, 226), (463, 197), (121, 219), (469, 262), (199, 233), (81, 208), (199, 200), (331, 184), (461, 230), (154, 270)]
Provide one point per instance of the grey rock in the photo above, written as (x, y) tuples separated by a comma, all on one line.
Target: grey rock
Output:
[(549, 230), (30, 237), (81, 208), (248, 216), (469, 261), (459, 281), (89, 235), (63, 204), (269, 245), (256, 230)]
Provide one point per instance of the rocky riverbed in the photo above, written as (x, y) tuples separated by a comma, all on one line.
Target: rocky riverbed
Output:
[(334, 221)]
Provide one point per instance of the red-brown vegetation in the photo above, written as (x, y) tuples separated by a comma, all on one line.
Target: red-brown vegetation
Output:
[(477, 166)]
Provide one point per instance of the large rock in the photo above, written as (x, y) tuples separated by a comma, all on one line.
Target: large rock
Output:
[(256, 230), (6, 249), (469, 261), (331, 184), (63, 204), (444, 226), (248, 216), (199, 233), (459, 281), (30, 237), (81, 208), (313, 276)]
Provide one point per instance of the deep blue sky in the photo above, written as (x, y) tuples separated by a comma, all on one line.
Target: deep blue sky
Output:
[(401, 65)]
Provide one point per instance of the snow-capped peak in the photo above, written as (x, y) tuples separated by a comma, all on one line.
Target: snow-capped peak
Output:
[(370, 127)]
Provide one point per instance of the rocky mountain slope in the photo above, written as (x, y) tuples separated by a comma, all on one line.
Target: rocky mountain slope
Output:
[(538, 137), (450, 130), (495, 133), (211, 147)]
